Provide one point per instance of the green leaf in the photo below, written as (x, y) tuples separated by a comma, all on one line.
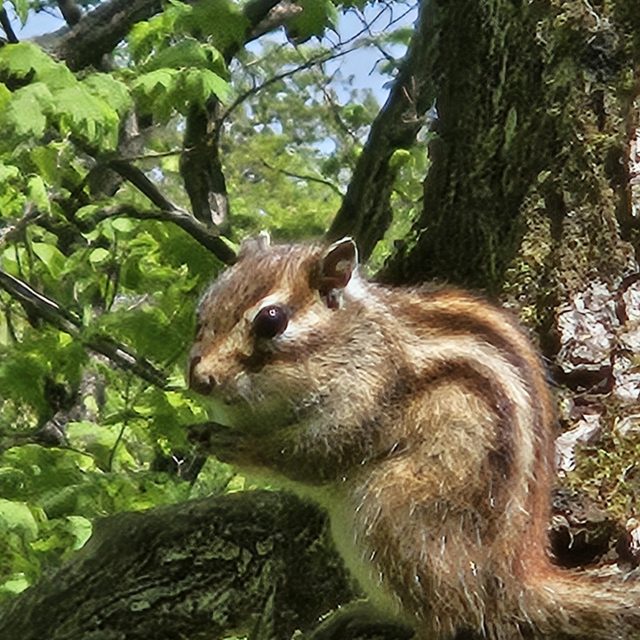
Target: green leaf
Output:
[(223, 21), (16, 516), (37, 194), (41, 472), (123, 225), (166, 90), (5, 96), (8, 172), (199, 85), (315, 17), (86, 116), (99, 441), (24, 60), (159, 32), (50, 256), (25, 115), (107, 88), (56, 163), (399, 158), (22, 379), (188, 53), (17, 583), (154, 92), (81, 528), (87, 212), (99, 255)]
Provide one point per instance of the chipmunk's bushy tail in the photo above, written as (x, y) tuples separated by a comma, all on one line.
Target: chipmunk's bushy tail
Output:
[(596, 604)]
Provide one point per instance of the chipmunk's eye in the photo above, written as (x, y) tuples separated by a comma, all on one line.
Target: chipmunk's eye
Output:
[(271, 321)]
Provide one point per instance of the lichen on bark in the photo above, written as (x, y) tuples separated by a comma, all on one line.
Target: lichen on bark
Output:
[(526, 186)]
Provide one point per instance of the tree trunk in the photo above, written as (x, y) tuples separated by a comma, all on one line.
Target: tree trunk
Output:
[(528, 191)]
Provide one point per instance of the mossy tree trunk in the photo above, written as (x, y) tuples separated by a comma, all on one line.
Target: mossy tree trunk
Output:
[(528, 191)]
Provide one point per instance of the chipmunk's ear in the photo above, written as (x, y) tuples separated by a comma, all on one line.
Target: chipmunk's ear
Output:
[(260, 243), (337, 264)]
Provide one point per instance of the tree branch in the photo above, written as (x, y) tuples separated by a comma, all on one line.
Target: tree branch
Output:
[(186, 222), (365, 213), (201, 167), (70, 323), (11, 231), (139, 180), (99, 32), (7, 27), (70, 11), (258, 563), (200, 164)]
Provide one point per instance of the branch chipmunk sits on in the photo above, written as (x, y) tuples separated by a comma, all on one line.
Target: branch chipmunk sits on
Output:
[(421, 420)]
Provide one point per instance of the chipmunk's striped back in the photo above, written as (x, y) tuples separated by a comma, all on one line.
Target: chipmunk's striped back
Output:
[(421, 419)]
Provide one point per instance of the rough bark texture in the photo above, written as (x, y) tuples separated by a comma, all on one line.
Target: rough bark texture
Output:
[(258, 563), (528, 180), (100, 31), (255, 563)]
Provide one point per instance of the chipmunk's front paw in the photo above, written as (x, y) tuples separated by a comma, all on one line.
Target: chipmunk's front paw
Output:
[(225, 443)]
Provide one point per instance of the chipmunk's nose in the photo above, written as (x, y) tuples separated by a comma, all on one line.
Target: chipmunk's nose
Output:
[(200, 381)]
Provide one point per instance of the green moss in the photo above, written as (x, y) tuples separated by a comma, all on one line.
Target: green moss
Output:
[(609, 474)]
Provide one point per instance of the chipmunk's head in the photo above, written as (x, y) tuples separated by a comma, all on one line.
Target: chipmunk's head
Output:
[(266, 328)]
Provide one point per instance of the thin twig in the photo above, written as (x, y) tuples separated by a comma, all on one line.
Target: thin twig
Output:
[(13, 230), (198, 231), (70, 323), (321, 58), (302, 176), (125, 424)]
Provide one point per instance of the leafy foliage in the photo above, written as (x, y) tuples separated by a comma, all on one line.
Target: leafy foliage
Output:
[(82, 435)]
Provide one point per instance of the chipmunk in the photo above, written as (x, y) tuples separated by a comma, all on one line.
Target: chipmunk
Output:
[(422, 421)]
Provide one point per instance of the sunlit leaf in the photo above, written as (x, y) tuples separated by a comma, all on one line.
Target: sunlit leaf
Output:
[(188, 54), (99, 255), (313, 20), (37, 194), (199, 85), (26, 113), (107, 88), (87, 116), (17, 516), (26, 60), (51, 256)]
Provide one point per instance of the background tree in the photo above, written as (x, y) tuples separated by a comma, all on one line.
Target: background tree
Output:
[(142, 142)]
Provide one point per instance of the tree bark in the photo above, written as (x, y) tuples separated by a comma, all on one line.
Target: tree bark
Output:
[(257, 563), (528, 187)]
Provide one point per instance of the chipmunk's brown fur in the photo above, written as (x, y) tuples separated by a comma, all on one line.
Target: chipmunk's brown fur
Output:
[(422, 421)]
